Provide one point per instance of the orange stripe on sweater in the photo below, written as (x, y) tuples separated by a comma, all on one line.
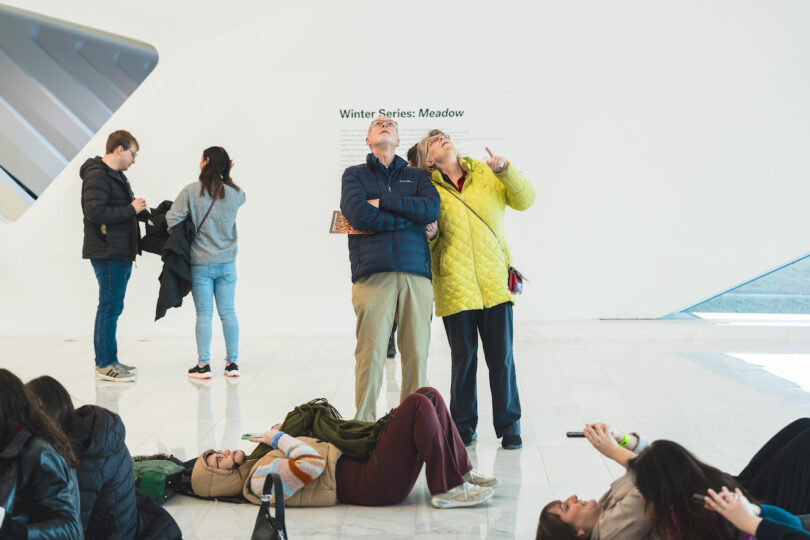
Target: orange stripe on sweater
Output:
[(301, 475)]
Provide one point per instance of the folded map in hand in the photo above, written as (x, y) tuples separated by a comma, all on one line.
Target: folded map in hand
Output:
[(341, 225)]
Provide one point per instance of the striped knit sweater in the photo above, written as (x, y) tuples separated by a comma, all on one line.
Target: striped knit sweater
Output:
[(301, 466)]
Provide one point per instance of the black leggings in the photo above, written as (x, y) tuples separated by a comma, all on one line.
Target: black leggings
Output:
[(779, 474)]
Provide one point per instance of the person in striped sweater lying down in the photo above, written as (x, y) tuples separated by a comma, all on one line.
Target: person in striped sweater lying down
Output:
[(315, 473)]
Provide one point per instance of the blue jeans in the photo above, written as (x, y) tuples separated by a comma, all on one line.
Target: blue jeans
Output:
[(112, 276), (209, 281)]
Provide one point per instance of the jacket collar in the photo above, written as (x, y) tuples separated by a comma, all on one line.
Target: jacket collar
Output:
[(374, 163), (467, 163)]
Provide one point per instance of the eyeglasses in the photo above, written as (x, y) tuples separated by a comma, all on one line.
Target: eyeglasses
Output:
[(219, 456), (132, 152), (383, 123), (433, 139)]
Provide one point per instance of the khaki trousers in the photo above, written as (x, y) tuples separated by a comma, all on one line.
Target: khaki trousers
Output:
[(379, 300)]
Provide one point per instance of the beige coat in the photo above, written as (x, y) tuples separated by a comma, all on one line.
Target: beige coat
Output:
[(622, 516)]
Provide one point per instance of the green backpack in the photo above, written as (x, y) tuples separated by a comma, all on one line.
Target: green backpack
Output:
[(158, 478)]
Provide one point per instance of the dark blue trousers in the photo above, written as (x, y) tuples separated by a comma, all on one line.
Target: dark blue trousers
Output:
[(113, 276), (494, 325)]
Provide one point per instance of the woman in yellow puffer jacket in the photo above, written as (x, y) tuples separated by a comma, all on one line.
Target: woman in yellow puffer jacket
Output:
[(470, 263)]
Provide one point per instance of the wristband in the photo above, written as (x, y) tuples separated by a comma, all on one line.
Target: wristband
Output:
[(276, 437), (625, 441)]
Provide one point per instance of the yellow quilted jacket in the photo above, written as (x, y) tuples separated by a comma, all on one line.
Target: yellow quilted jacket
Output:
[(470, 267)]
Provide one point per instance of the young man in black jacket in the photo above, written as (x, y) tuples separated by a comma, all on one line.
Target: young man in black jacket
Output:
[(111, 242)]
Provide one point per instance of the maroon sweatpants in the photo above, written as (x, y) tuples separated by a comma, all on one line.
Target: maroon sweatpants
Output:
[(421, 431)]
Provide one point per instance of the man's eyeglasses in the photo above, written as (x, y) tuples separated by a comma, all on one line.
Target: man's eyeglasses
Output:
[(132, 152), (383, 123)]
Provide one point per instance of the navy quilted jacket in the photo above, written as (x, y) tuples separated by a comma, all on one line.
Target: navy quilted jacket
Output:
[(408, 202), (106, 477)]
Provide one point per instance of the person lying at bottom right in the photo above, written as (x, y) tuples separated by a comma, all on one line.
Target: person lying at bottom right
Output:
[(654, 499), (763, 521), (314, 473)]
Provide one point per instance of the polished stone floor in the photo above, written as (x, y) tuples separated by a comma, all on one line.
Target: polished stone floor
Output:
[(698, 382)]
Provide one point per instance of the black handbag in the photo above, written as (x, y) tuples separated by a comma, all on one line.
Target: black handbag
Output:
[(269, 527)]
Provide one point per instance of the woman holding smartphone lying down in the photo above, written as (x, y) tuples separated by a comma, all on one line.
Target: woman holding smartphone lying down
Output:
[(655, 498)]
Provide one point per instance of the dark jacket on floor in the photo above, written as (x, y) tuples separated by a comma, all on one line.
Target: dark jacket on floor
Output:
[(154, 522), (38, 491), (175, 279), (111, 228)]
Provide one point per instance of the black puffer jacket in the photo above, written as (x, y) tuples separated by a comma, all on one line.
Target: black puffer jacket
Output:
[(106, 478), (111, 228), (38, 491)]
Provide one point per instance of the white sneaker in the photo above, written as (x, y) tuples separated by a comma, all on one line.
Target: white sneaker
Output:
[(474, 477), (464, 495), (113, 373)]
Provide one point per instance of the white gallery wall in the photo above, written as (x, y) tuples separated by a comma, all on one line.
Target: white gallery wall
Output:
[(667, 142)]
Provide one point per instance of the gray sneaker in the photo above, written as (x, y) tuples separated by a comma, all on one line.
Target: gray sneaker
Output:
[(478, 479), (114, 373), (124, 367), (464, 495)]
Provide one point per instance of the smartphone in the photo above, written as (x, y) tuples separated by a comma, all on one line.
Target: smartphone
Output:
[(575, 434), (698, 498), (246, 436)]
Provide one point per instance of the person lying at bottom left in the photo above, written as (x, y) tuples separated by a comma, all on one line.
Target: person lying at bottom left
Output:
[(314, 473)]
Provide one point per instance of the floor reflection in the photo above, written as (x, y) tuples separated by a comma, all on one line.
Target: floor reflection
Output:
[(206, 430)]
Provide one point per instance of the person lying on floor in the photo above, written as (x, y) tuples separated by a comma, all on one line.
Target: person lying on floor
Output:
[(317, 473), (654, 499)]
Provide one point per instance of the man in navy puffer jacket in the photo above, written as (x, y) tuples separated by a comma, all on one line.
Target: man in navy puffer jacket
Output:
[(391, 266)]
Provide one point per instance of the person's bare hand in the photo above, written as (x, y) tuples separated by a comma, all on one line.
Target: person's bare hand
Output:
[(139, 205), (374, 202), (431, 230), (496, 163), (735, 508), (267, 438), (600, 437)]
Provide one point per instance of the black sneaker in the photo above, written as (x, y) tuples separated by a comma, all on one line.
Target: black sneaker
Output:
[(468, 437), (200, 372), (231, 369), (511, 442)]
